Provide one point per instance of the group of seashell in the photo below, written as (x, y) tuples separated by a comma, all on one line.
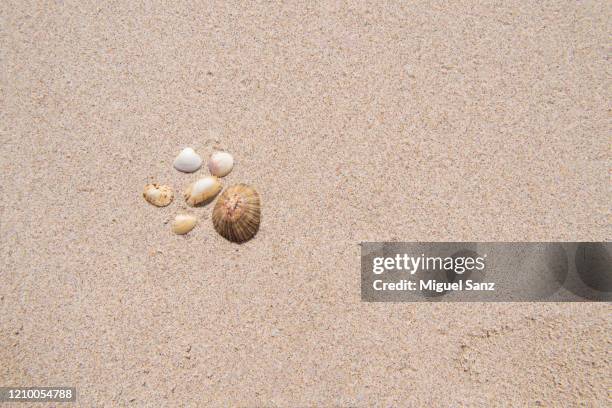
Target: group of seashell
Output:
[(237, 212)]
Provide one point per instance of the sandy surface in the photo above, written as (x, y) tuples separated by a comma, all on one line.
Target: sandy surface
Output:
[(462, 121)]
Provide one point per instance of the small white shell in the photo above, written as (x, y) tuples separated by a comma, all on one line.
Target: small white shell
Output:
[(188, 161), (157, 195), (202, 190), (183, 223), (220, 164)]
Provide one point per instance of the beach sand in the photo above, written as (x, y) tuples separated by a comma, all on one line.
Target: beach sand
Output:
[(466, 121)]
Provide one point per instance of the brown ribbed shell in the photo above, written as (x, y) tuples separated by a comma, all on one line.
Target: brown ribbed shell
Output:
[(237, 213)]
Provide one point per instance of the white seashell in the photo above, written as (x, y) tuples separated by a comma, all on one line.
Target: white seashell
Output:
[(183, 223), (157, 195), (188, 161), (220, 164), (202, 190)]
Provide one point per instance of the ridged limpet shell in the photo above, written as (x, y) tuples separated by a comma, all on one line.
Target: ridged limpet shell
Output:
[(220, 164), (183, 223), (237, 213), (202, 190), (158, 195)]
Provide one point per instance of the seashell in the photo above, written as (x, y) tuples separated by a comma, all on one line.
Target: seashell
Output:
[(158, 195), (202, 190), (220, 164), (187, 161), (183, 223), (237, 213)]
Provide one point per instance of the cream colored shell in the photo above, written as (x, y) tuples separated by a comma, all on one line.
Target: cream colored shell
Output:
[(202, 190), (158, 195), (183, 223)]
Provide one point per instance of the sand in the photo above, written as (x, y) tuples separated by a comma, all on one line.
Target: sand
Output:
[(460, 121)]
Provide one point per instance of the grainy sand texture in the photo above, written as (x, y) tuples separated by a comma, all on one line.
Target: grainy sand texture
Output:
[(356, 121)]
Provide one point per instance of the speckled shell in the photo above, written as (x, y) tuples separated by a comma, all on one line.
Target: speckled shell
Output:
[(158, 195), (202, 190), (237, 213), (183, 223)]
